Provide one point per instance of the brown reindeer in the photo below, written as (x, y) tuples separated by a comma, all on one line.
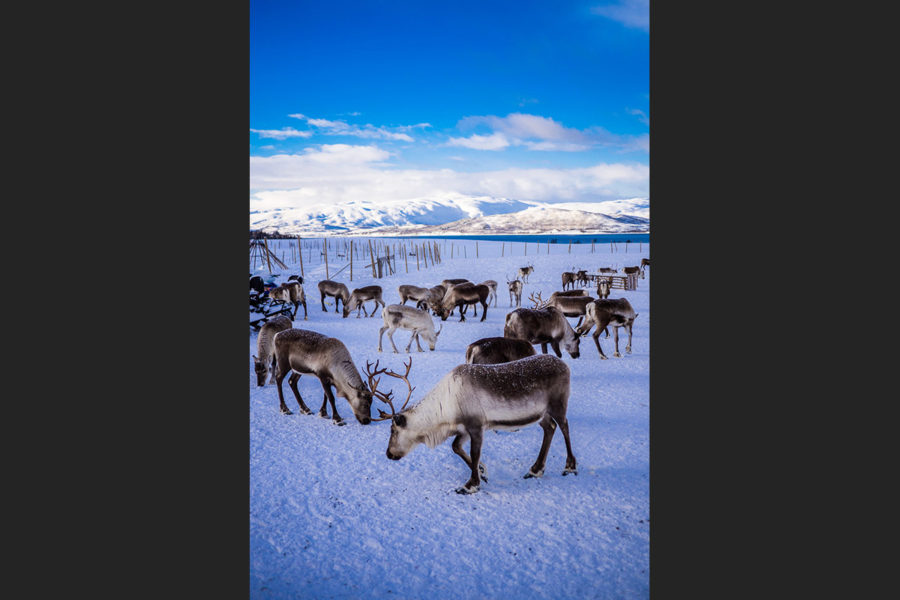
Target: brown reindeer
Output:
[(336, 290), (264, 364), (464, 294), (419, 294), (473, 398), (515, 290), (493, 350), (606, 270), (604, 284), (568, 280), (581, 277), (297, 296), (361, 295), (645, 262), (571, 306), (542, 326), (617, 312), (299, 352)]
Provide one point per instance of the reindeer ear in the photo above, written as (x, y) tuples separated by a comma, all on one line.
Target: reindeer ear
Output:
[(400, 420)]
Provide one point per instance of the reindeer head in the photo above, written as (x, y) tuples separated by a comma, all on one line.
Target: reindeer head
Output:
[(401, 441), (262, 370), (430, 337)]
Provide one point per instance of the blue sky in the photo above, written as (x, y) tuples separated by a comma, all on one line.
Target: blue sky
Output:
[(406, 89)]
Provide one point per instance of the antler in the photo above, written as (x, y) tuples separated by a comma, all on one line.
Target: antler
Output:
[(388, 398), (538, 302)]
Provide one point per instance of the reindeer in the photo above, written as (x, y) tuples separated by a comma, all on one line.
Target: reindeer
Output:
[(361, 295), (617, 312), (464, 294), (604, 284), (449, 283), (264, 364), (336, 290), (645, 262), (568, 279), (542, 326), (435, 297), (492, 285), (297, 296), (300, 352), (492, 350), (630, 270), (606, 270), (515, 289), (406, 317), (473, 398), (581, 277), (419, 294), (571, 293), (571, 306), (524, 272)]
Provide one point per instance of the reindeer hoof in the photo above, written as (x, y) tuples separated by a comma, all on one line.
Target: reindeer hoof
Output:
[(467, 489), (323, 414), (531, 474), (305, 411), (340, 423), (482, 471), (604, 357), (568, 470), (286, 412), (617, 355)]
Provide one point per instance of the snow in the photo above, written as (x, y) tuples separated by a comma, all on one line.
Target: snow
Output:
[(332, 517)]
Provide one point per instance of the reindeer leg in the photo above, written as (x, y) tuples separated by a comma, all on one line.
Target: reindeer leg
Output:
[(616, 336), (381, 335), (555, 345), (549, 427), (597, 341), (458, 442), (322, 412), (580, 319), (543, 347), (390, 332), (295, 377), (628, 347), (570, 458), (323, 304), (474, 310), (334, 413), (278, 379), (305, 314), (471, 486), (484, 312), (462, 312)]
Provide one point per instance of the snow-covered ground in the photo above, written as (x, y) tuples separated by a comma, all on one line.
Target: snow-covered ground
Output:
[(332, 517)]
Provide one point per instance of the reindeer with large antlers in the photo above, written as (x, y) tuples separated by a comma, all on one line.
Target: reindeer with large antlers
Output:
[(473, 398)]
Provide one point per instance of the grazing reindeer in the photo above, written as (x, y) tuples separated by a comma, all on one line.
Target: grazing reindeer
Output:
[(473, 398), (581, 277), (617, 312), (515, 289), (298, 296), (464, 294), (419, 294), (630, 270), (449, 283), (493, 350), (492, 285), (571, 306), (571, 293), (524, 272), (361, 295), (568, 280), (300, 352), (645, 262), (265, 347), (336, 290), (435, 297), (406, 317), (542, 326)]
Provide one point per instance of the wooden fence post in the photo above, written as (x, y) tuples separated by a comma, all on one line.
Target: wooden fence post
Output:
[(351, 260), (325, 247), (417, 257), (300, 253), (268, 261), (405, 259), (372, 257)]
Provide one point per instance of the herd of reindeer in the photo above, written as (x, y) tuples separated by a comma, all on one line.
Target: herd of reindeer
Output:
[(503, 385)]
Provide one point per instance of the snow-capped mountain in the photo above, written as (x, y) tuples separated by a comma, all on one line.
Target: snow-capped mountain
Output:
[(454, 213)]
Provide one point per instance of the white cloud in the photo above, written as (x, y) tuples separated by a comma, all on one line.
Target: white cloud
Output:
[(330, 127), (342, 173), (496, 141), (631, 13), (642, 116), (282, 134)]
